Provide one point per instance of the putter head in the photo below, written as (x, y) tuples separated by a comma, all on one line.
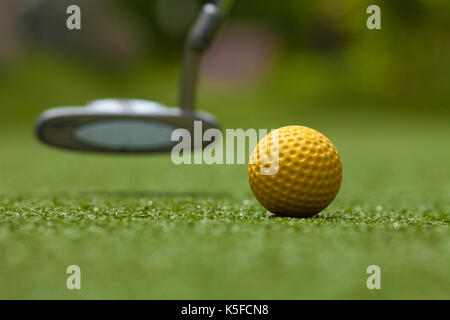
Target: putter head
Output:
[(138, 126), (120, 126)]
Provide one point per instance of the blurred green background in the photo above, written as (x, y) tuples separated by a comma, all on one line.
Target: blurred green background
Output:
[(164, 231), (305, 53)]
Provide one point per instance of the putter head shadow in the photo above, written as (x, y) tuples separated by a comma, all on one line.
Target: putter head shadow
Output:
[(120, 126)]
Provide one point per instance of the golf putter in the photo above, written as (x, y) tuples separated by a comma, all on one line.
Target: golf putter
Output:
[(138, 126)]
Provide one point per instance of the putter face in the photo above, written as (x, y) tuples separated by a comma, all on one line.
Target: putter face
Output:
[(123, 126), (125, 134)]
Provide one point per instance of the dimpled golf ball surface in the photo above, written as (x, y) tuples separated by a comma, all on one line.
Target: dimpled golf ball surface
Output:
[(309, 172)]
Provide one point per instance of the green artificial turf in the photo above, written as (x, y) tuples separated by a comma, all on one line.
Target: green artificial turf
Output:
[(141, 227)]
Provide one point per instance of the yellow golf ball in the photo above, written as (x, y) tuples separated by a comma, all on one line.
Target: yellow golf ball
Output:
[(295, 171)]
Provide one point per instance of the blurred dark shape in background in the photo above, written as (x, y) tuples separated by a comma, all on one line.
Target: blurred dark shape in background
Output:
[(241, 53), (108, 34), (174, 17), (158, 25), (10, 12), (112, 31)]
